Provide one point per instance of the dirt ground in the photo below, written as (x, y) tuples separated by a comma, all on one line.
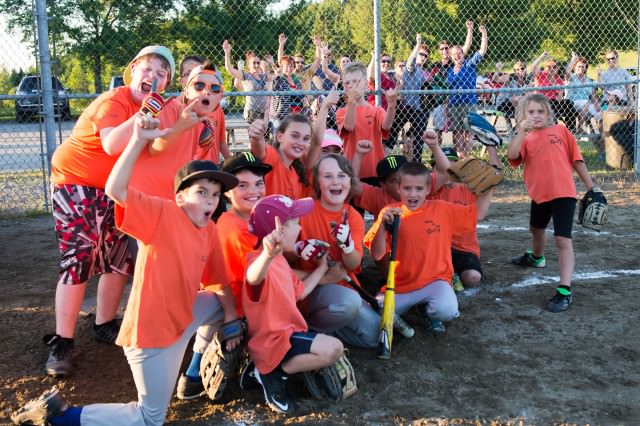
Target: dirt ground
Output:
[(505, 361)]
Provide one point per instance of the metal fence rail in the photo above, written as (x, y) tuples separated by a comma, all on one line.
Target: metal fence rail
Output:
[(85, 44)]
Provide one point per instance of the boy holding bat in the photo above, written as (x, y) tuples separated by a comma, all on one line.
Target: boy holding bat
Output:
[(425, 235)]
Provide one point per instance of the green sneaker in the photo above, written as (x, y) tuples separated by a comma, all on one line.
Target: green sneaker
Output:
[(528, 260), (456, 282)]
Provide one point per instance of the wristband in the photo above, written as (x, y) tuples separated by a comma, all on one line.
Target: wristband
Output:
[(348, 248)]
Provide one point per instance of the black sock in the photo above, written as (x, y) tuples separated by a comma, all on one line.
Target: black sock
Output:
[(536, 257)]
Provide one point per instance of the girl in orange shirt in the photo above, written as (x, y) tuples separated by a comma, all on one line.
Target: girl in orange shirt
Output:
[(550, 154), (334, 307), (293, 138)]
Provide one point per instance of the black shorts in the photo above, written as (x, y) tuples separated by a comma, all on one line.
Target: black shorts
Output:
[(464, 260), (300, 344), (562, 211)]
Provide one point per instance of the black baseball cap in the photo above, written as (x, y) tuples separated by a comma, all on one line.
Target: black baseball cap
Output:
[(449, 152), (202, 169), (389, 165), (245, 160)]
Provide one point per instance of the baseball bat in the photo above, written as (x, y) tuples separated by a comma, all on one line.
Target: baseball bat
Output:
[(399, 324), (388, 310)]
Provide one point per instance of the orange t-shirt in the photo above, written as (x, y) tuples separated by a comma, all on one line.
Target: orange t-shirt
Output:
[(210, 149), (549, 155), (373, 199), (317, 225), (282, 180), (173, 259), (154, 174), (81, 160), (237, 242), (272, 314), (424, 242), (460, 194), (369, 120)]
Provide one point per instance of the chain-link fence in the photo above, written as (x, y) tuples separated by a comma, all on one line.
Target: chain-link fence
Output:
[(447, 57)]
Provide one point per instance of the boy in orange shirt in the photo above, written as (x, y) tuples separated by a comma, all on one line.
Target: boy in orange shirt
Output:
[(88, 240), (360, 120), (426, 232), (179, 251), (280, 342)]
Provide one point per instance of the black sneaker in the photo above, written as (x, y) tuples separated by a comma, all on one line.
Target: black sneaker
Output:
[(559, 303), (274, 385), (248, 377), (38, 411), (107, 332), (528, 260), (59, 361), (188, 389)]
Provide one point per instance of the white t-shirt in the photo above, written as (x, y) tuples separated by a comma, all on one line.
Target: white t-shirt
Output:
[(613, 75)]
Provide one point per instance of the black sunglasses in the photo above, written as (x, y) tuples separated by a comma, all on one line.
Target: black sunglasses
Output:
[(422, 54), (385, 61), (200, 86)]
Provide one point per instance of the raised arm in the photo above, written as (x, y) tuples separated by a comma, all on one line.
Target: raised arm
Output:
[(411, 60), (144, 131), (317, 54), (282, 40), (468, 40), (363, 147), (535, 66), (187, 119), (256, 136), (392, 100), (569, 68), (227, 61), (371, 68), (319, 128), (484, 41)]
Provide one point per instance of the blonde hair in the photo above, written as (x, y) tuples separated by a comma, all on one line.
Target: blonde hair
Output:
[(353, 67), (539, 99)]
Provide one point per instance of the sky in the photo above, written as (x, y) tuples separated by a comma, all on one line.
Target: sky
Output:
[(13, 53)]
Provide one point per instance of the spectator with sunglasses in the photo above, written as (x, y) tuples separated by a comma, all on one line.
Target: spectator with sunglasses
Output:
[(257, 79), (549, 76), (619, 94), (438, 80), (386, 77)]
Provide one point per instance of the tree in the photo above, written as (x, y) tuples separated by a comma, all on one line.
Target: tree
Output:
[(95, 30)]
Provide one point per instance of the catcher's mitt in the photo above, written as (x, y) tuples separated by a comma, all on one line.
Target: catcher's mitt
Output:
[(336, 382), (479, 176), (218, 365), (592, 211), (481, 130)]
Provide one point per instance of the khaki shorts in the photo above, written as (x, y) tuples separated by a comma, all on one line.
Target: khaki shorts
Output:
[(457, 114)]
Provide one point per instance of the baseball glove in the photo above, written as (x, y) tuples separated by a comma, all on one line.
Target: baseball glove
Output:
[(218, 365), (336, 382), (481, 130), (592, 211), (479, 176)]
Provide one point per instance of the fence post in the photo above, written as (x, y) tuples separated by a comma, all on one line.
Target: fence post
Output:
[(376, 48), (45, 79)]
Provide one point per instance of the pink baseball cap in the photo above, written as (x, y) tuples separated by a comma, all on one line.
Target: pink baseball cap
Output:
[(331, 138), (262, 218)]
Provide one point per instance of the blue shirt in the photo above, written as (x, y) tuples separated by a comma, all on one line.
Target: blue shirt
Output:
[(464, 79), (326, 83), (413, 79)]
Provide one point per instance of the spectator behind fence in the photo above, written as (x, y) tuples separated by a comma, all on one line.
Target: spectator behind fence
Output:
[(584, 99), (257, 79), (438, 75), (411, 107), (562, 108), (386, 77), (622, 94), (507, 102), (463, 76)]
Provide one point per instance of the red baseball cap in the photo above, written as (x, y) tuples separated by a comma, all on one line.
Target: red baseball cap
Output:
[(262, 220)]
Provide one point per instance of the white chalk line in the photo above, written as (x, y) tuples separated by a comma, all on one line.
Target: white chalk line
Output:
[(490, 227), (587, 275)]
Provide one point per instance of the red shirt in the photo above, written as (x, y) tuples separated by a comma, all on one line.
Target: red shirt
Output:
[(543, 79)]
